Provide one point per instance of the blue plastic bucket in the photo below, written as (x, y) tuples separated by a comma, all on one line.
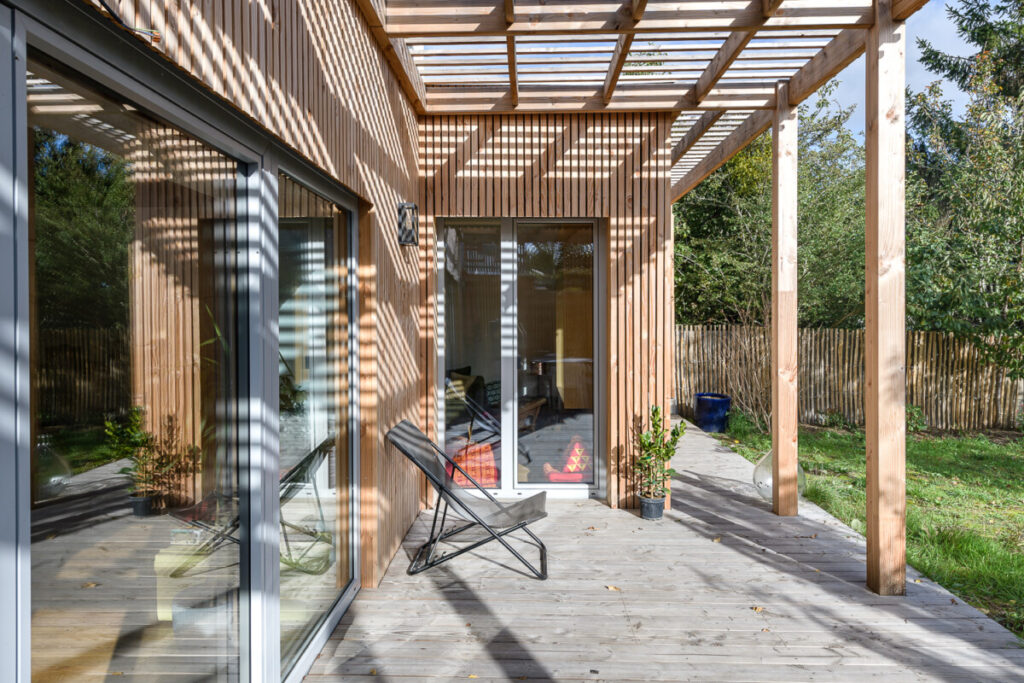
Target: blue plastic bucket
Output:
[(711, 411)]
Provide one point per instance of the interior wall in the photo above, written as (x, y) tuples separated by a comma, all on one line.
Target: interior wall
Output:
[(310, 72), (609, 166)]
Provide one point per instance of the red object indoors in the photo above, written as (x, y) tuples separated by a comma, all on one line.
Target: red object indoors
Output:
[(478, 461), (577, 464)]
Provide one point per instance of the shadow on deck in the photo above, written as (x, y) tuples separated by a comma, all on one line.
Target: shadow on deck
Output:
[(721, 589)]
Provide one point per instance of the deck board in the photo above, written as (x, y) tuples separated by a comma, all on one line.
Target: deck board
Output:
[(685, 606)]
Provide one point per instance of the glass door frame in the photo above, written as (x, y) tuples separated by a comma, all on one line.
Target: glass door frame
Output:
[(508, 251)]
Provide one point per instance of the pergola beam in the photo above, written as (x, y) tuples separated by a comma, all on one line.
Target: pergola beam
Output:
[(396, 52), (832, 59), (405, 20), (513, 76), (621, 53), (784, 368), (622, 45), (720, 63), (885, 303), (697, 130), (638, 7), (755, 124)]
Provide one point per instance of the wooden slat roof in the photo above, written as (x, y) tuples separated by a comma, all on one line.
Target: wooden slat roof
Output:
[(715, 63)]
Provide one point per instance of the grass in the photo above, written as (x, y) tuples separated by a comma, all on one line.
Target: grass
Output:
[(965, 505), (84, 447)]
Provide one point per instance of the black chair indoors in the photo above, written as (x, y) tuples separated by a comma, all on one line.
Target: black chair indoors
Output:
[(497, 519)]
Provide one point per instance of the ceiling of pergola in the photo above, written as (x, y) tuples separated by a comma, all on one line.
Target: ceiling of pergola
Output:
[(714, 63)]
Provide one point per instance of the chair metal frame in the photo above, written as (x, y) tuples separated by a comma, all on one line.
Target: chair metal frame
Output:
[(424, 557)]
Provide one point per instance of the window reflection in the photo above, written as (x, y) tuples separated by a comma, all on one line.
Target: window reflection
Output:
[(555, 283), (135, 527), (313, 370), (472, 291)]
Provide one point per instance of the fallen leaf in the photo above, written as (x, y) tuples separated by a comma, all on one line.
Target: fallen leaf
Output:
[(953, 602), (591, 528), (613, 588), (757, 608), (716, 539), (472, 676), (818, 570), (594, 671), (90, 584), (373, 672), (765, 630), (814, 535), (917, 580)]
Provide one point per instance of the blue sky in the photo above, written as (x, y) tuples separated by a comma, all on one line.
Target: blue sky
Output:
[(931, 23)]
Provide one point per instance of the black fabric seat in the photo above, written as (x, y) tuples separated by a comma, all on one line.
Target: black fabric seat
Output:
[(494, 517)]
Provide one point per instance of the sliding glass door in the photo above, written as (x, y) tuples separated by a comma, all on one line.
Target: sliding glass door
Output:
[(518, 343), (313, 368), (555, 352)]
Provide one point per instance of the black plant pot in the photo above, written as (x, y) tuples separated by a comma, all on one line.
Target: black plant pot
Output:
[(142, 506), (652, 508)]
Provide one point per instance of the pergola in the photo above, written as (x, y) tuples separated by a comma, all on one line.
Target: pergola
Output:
[(728, 69)]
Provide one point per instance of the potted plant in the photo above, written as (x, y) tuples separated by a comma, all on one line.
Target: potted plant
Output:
[(655, 448), (130, 441)]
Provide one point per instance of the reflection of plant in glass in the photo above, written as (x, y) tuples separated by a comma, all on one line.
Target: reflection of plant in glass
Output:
[(655, 448), (292, 397), (129, 440), (158, 463)]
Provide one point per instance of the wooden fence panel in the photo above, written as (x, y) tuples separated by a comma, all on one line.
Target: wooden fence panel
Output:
[(82, 374), (946, 377)]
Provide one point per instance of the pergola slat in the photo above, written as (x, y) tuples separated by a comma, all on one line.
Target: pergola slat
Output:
[(694, 134)]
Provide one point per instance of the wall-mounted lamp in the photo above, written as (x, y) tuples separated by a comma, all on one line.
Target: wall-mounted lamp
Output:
[(408, 224)]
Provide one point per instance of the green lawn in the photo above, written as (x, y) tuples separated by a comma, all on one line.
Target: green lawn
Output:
[(83, 447), (965, 505)]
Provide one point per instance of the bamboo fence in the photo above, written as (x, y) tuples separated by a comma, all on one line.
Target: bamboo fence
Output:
[(946, 377), (82, 374)]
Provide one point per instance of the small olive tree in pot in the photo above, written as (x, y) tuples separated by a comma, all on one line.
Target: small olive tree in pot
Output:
[(655, 448)]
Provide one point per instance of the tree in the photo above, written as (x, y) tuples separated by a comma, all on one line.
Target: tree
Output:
[(974, 195), (84, 207), (997, 30), (723, 229)]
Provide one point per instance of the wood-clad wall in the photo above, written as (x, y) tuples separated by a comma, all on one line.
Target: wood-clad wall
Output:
[(613, 167), (311, 73)]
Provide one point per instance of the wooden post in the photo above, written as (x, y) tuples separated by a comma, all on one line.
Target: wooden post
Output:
[(885, 305), (784, 303)]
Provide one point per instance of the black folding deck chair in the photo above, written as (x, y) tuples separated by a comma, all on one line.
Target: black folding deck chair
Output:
[(494, 517)]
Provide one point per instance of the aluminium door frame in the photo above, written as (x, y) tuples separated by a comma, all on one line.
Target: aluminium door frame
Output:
[(508, 264), (348, 202)]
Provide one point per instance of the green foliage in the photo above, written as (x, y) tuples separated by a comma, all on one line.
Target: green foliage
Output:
[(838, 421), (973, 194), (157, 461), (916, 421), (965, 524), (723, 229), (655, 448), (997, 30), (84, 447), (84, 207), (128, 439)]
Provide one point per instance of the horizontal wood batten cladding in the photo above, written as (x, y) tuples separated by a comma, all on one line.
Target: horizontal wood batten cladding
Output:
[(311, 73), (613, 167), (946, 377)]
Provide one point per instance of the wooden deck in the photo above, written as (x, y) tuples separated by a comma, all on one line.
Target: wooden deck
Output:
[(721, 589)]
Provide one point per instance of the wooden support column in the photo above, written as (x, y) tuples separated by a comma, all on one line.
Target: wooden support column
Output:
[(885, 304), (784, 303)]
